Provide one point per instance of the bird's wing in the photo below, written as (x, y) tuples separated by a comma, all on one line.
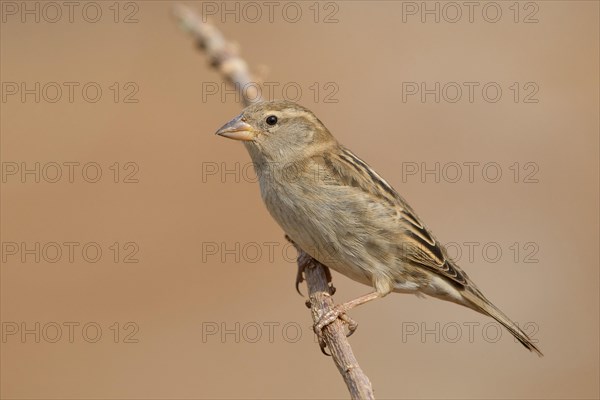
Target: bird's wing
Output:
[(419, 246)]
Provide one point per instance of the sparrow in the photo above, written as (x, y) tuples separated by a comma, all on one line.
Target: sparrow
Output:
[(337, 209)]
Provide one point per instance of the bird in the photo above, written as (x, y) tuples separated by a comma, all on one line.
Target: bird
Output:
[(342, 213)]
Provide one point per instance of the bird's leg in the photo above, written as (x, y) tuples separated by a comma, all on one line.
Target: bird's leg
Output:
[(339, 311)]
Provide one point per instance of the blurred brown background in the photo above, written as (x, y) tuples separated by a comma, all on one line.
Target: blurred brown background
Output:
[(192, 294)]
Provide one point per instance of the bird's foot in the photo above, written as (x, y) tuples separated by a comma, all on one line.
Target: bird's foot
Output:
[(300, 279), (302, 266), (338, 311)]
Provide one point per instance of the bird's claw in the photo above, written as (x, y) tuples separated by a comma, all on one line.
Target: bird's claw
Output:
[(352, 324), (301, 268), (332, 289), (338, 311), (299, 278)]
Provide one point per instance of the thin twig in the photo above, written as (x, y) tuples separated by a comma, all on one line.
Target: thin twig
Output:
[(224, 58), (334, 334), (223, 55)]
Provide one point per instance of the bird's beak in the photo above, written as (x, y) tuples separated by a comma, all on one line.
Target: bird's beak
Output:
[(237, 129)]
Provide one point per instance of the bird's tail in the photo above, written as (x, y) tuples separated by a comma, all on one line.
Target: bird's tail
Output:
[(479, 303)]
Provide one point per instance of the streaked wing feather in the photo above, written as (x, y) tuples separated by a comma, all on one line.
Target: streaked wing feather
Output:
[(420, 247)]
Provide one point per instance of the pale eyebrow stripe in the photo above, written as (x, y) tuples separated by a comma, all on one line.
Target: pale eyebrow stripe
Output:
[(300, 113)]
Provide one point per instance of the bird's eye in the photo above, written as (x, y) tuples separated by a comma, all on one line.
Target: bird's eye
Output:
[(271, 120)]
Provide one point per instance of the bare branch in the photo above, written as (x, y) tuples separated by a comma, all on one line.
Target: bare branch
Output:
[(223, 54), (225, 59), (334, 334)]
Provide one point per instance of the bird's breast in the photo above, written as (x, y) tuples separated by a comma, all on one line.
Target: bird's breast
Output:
[(307, 216)]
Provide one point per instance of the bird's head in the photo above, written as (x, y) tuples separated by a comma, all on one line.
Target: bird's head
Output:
[(278, 131)]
